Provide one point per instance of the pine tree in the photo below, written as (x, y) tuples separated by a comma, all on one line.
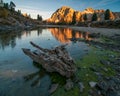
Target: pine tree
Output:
[(6, 5), (39, 17), (12, 5), (19, 12), (85, 17), (74, 18), (94, 17), (29, 16), (107, 14)]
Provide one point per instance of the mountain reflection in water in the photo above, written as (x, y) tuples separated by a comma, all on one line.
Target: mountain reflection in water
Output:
[(65, 35)]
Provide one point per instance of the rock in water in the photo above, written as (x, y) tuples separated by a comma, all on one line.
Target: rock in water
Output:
[(69, 84), (53, 88), (81, 86), (54, 60), (92, 84)]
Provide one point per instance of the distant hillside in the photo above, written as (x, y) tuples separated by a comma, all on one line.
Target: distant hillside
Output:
[(67, 15), (12, 19)]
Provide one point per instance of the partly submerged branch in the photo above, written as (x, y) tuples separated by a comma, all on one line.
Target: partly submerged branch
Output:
[(55, 60)]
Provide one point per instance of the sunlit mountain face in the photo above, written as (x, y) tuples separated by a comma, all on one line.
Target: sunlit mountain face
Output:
[(67, 35)]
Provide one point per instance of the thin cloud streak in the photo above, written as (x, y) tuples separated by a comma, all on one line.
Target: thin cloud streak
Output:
[(104, 3), (33, 12)]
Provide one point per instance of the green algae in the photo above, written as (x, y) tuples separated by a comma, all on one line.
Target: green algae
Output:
[(85, 74)]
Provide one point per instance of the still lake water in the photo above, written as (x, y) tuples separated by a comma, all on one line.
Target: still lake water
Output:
[(15, 65)]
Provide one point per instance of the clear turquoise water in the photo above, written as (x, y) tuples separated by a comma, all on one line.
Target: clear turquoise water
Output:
[(15, 65)]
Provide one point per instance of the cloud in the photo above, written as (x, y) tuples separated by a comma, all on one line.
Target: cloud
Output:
[(35, 12), (104, 3)]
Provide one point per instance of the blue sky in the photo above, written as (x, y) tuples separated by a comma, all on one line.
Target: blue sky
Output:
[(47, 7)]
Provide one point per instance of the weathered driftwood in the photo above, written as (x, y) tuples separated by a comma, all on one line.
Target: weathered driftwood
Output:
[(54, 60)]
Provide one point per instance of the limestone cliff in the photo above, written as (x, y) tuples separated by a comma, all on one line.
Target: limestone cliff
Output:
[(68, 15), (64, 14)]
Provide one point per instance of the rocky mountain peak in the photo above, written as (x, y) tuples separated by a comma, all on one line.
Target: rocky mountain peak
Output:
[(63, 14), (65, 7), (64, 10), (89, 10), (67, 15)]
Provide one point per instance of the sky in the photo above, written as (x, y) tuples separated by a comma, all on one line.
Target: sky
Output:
[(46, 7)]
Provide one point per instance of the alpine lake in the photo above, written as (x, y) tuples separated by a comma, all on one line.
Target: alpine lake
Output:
[(20, 76)]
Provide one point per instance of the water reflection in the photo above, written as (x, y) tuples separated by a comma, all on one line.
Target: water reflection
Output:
[(41, 73), (35, 77), (9, 38), (39, 31), (65, 35)]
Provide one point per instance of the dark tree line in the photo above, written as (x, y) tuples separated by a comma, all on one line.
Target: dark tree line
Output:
[(95, 17), (10, 6)]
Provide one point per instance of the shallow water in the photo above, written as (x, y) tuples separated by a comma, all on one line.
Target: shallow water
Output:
[(15, 65)]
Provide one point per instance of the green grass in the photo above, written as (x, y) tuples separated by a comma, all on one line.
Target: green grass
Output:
[(56, 78), (3, 12), (62, 92), (85, 74), (107, 40)]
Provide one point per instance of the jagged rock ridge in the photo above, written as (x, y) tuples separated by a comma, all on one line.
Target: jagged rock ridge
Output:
[(67, 15), (63, 14)]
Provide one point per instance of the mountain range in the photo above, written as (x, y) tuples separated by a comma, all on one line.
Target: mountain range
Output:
[(67, 15)]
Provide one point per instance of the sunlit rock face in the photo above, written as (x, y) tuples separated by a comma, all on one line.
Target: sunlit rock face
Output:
[(117, 15), (65, 35), (112, 16), (68, 15), (78, 16), (64, 14)]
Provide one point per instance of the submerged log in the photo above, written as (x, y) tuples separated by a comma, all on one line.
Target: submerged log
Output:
[(54, 60)]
